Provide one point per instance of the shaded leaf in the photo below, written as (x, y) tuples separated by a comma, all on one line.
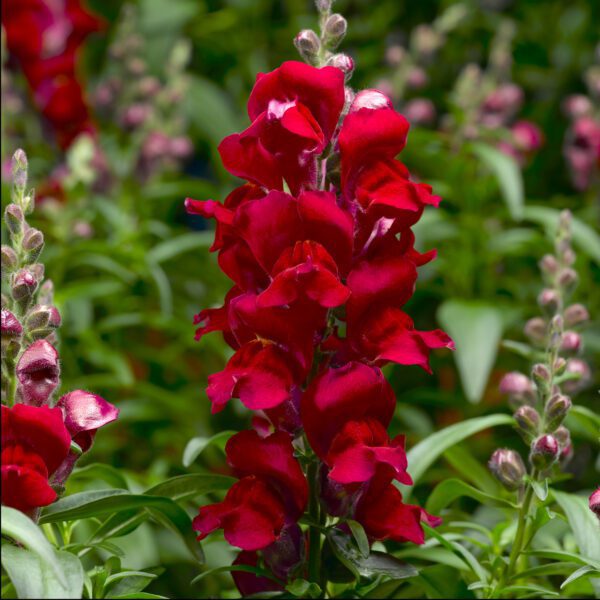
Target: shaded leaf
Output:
[(449, 490)]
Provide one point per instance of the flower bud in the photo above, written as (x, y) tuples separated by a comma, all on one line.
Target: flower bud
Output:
[(555, 411), (24, 286), (571, 342), (19, 170), (13, 215), (46, 295), (595, 503), (544, 452), (508, 468), (33, 243), (549, 300), (562, 436), (576, 314), (541, 375), (42, 316), (568, 257), (580, 371), (536, 329), (420, 111), (335, 30), (549, 264), (567, 278), (181, 146), (308, 44), (9, 259), (323, 6), (38, 373), (343, 62), (416, 78), (12, 331), (577, 105), (560, 364), (372, 99), (517, 385), (528, 422)]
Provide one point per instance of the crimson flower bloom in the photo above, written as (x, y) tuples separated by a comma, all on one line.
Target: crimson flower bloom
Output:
[(35, 442), (271, 492), (44, 37)]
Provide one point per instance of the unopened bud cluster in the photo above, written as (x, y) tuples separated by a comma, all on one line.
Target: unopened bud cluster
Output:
[(541, 400), (319, 50), (29, 317)]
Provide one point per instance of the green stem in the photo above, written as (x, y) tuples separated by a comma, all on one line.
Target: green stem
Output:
[(517, 547), (314, 534)]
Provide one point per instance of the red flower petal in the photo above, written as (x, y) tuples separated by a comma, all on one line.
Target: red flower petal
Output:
[(350, 393)]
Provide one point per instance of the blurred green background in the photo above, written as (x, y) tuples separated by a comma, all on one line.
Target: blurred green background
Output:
[(131, 269)]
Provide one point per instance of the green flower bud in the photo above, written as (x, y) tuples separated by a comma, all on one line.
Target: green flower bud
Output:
[(508, 468), (555, 411)]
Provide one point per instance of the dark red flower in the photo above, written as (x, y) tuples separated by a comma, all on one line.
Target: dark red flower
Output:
[(384, 515), (294, 112), (362, 447), (44, 37), (350, 393), (35, 442), (272, 491), (249, 584)]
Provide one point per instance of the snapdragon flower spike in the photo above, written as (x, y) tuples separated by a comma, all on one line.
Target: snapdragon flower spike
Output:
[(271, 492), (319, 247), (35, 442)]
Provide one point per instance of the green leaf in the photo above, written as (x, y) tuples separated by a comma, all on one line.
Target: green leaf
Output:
[(427, 451), (197, 445), (561, 555), (585, 420), (476, 329), (106, 473), (449, 490), (376, 564), (210, 109), (101, 502), (35, 578), (584, 236), (304, 589), (362, 541), (229, 568), (181, 244), (508, 174), (468, 465), (582, 521), (577, 574), (188, 486), (128, 582), (23, 530), (540, 488)]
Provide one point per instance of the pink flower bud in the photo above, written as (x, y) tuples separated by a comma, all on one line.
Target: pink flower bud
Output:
[(581, 370), (343, 62), (148, 86), (33, 243), (571, 342), (38, 373), (549, 300), (335, 30), (181, 147), (9, 259), (556, 410), (11, 328), (567, 278), (156, 145), (516, 384), (24, 286), (135, 115), (507, 98), (394, 55), (417, 78), (372, 99), (536, 330), (577, 105), (308, 44), (14, 218), (595, 502), (420, 111), (508, 468), (544, 451), (541, 375), (528, 421), (549, 264), (527, 136), (19, 169)]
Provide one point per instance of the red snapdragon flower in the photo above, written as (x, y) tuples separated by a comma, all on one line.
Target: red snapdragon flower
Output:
[(35, 442), (271, 492), (44, 37), (321, 273), (294, 111)]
